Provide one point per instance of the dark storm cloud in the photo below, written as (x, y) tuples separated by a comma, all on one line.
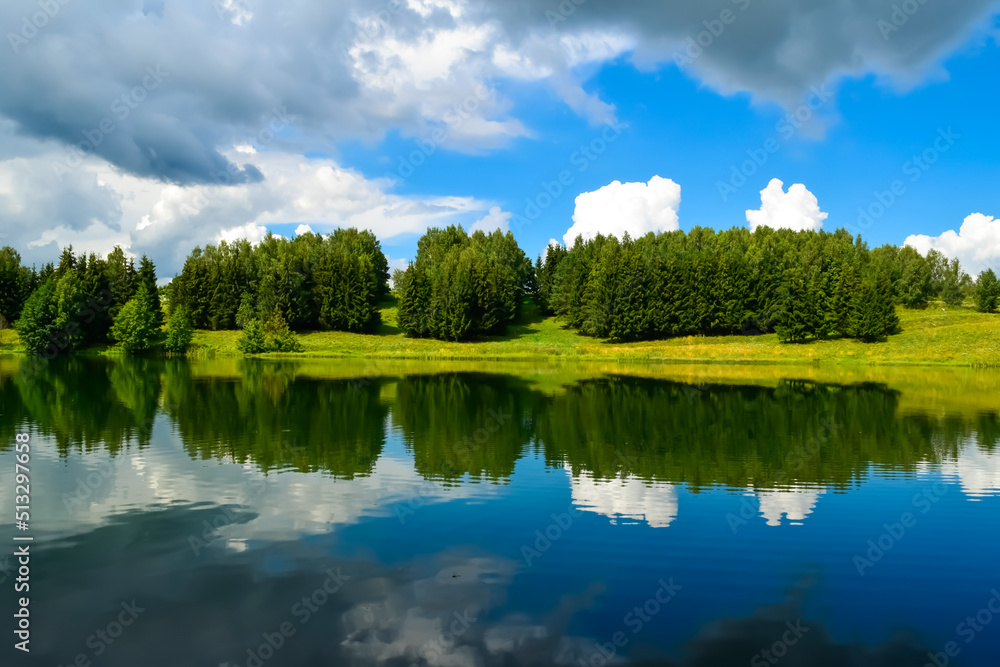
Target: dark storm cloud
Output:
[(67, 67), (775, 48)]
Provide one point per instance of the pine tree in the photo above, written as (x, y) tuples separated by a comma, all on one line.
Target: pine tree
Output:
[(147, 276), (121, 278), (874, 313), (793, 321)]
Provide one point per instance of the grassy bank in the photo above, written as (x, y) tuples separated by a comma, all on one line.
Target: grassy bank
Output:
[(937, 335), (934, 336)]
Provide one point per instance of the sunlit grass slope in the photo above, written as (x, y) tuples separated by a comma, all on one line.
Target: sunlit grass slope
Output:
[(937, 335)]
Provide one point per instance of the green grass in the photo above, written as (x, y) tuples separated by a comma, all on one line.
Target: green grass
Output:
[(937, 335), (934, 336)]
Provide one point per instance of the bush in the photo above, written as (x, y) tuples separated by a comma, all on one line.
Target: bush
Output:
[(278, 337), (252, 340), (274, 336)]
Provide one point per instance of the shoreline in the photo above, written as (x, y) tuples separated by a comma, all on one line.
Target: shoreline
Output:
[(935, 337)]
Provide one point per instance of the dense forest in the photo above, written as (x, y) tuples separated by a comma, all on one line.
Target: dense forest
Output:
[(83, 300), (801, 285), (460, 285), (331, 282)]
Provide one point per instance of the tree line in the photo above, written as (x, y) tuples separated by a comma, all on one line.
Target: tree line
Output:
[(331, 282), (800, 285), (81, 301)]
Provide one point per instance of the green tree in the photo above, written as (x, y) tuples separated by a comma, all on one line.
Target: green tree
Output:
[(915, 285), (179, 331), (135, 327), (987, 292), (247, 310), (37, 325), (460, 286), (147, 276), (252, 340), (16, 284), (278, 337), (952, 283), (874, 315)]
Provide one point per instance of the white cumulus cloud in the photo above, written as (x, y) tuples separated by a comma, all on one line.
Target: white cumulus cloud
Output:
[(636, 208), (796, 209), (494, 220), (250, 231), (976, 245)]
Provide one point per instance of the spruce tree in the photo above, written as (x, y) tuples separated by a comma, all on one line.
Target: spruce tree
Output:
[(147, 276)]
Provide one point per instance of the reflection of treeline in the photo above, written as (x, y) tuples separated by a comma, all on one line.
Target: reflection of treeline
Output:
[(479, 424), (312, 281), (83, 404), (802, 285), (741, 435), (273, 420), (468, 423)]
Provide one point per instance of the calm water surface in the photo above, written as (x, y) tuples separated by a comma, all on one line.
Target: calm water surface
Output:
[(276, 517)]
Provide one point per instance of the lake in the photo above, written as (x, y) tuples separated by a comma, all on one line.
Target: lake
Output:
[(250, 513)]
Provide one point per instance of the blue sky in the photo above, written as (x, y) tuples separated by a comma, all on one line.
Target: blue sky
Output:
[(243, 117)]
